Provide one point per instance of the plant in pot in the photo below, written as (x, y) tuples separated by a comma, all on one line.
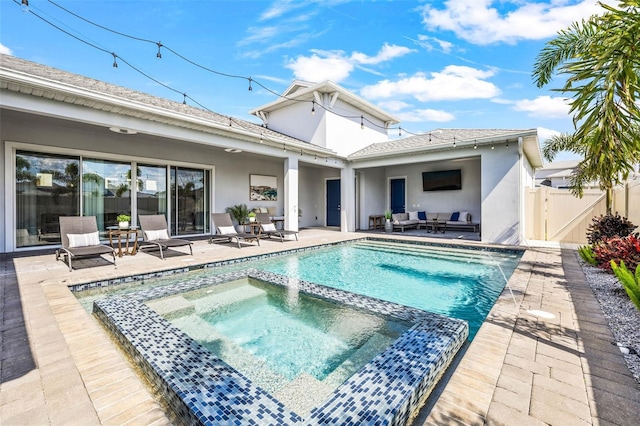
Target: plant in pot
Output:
[(123, 221), (388, 226), (251, 216), (239, 212)]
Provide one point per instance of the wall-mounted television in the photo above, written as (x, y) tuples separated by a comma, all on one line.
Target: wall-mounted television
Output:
[(443, 180)]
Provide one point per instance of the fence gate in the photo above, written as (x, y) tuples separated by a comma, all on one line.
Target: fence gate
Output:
[(557, 215)]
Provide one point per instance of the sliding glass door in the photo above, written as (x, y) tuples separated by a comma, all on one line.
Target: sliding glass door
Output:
[(190, 201), (46, 188)]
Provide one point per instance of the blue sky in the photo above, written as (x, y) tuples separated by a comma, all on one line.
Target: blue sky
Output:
[(449, 64)]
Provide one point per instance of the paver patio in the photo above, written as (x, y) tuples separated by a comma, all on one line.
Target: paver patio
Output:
[(543, 356)]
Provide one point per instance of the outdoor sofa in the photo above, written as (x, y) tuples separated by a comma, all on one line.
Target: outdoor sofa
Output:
[(444, 221)]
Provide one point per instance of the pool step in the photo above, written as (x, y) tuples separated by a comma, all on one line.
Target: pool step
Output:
[(446, 253), (216, 300), (172, 307), (376, 344), (303, 393)]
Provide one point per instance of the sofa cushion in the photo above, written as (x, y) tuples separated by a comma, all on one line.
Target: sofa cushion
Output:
[(396, 217), (443, 217), (413, 216), (455, 216), (432, 216), (464, 217), (422, 215)]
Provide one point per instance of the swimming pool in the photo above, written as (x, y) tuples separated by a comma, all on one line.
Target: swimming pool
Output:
[(455, 281)]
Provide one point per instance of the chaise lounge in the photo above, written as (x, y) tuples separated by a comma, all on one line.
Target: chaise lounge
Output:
[(268, 228), (80, 238), (225, 231), (156, 234)]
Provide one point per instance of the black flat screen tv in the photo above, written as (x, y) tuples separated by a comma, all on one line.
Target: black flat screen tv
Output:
[(444, 180)]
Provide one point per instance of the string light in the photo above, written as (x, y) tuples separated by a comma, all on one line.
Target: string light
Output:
[(284, 147), (507, 145), (315, 157), (159, 55), (429, 136), (261, 138), (454, 141), (250, 88), (493, 146), (313, 107), (399, 131), (184, 102), (475, 144), (300, 152), (115, 62), (362, 121)]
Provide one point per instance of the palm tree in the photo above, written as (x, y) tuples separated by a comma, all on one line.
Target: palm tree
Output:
[(601, 57)]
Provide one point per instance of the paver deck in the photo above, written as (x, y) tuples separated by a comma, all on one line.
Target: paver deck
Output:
[(543, 356)]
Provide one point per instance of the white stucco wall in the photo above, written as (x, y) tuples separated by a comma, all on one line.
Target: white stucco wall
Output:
[(501, 196), (371, 194), (312, 195)]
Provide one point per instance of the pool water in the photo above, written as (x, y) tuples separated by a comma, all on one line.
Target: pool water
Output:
[(275, 336), (459, 283)]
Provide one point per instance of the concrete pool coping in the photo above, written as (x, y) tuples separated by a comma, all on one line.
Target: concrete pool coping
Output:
[(59, 367)]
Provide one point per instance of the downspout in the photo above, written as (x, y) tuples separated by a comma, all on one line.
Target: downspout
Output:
[(521, 196)]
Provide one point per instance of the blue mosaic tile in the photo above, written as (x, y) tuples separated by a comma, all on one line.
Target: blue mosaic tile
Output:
[(202, 389)]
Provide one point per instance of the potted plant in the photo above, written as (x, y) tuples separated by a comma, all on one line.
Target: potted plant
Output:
[(251, 216), (123, 221), (388, 226), (239, 212)]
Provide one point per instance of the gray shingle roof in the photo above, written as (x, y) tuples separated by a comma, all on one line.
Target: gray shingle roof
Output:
[(97, 87), (435, 138)]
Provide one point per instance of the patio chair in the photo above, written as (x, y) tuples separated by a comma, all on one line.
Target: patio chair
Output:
[(225, 231), (155, 233), (80, 238), (268, 228)]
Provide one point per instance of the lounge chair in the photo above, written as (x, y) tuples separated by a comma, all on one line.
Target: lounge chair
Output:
[(80, 238), (268, 228), (225, 231), (155, 233)]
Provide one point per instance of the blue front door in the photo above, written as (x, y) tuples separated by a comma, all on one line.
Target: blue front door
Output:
[(397, 195), (333, 202)]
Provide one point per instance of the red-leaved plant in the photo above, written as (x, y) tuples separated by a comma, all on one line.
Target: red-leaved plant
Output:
[(626, 249)]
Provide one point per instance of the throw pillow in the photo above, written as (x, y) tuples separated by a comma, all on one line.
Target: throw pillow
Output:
[(268, 227), (263, 210), (160, 234), (83, 240), (422, 215), (463, 217), (413, 215), (226, 230), (455, 216)]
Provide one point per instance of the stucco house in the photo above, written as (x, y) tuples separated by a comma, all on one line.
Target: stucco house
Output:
[(71, 145)]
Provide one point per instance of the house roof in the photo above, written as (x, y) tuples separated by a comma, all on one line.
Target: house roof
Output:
[(301, 91), (39, 80), (440, 139)]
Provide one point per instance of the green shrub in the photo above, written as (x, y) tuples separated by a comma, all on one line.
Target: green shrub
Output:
[(618, 249), (630, 282), (586, 253), (608, 226)]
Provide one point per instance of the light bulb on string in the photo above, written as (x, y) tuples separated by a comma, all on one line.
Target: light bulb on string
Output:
[(115, 62), (184, 102), (475, 145), (399, 131), (362, 121), (250, 88), (313, 107), (493, 146), (429, 136), (507, 146), (454, 141), (261, 139), (159, 55), (25, 5)]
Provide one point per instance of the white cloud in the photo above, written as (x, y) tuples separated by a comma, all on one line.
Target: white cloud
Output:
[(316, 69), (544, 107), (481, 22), (544, 134), (428, 43), (336, 65), (279, 8), (393, 105), (5, 50), (426, 115), (386, 53), (452, 83)]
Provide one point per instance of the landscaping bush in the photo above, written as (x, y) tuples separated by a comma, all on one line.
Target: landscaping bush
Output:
[(630, 282), (618, 249), (608, 226), (586, 253)]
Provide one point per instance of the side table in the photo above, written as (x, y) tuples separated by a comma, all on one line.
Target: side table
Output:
[(126, 239)]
